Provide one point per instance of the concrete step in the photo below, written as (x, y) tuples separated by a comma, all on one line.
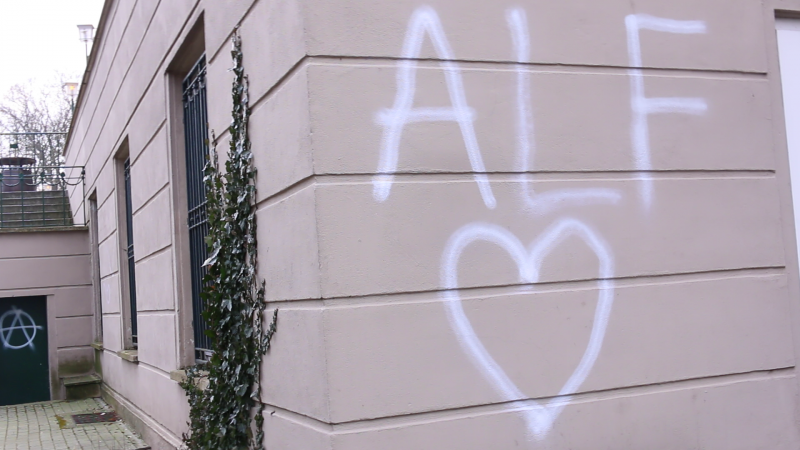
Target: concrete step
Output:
[(41, 223), (35, 209), (33, 194), (82, 386), (34, 201), (40, 208), (30, 200), (32, 214), (7, 198)]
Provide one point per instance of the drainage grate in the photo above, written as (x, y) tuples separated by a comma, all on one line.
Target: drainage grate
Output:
[(108, 416)]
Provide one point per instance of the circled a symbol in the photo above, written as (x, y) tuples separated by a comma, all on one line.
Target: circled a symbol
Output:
[(21, 322)]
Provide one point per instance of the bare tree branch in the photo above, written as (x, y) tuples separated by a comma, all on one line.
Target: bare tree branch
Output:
[(36, 108)]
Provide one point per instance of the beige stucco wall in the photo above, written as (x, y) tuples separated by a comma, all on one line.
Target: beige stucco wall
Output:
[(556, 175), (54, 264), (125, 99)]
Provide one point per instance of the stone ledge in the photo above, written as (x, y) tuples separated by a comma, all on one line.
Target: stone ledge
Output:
[(97, 345), (180, 376), (43, 229), (129, 355), (82, 379)]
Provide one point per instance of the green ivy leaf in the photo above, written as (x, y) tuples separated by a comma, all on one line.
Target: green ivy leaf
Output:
[(220, 415)]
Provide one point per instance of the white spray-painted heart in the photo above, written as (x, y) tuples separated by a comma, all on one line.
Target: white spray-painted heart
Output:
[(539, 416)]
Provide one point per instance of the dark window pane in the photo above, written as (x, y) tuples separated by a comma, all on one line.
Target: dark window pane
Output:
[(196, 134), (129, 247)]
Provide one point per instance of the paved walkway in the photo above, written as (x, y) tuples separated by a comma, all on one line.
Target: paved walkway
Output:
[(50, 425)]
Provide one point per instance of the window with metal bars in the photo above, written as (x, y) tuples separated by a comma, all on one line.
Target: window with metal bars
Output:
[(195, 124), (129, 250)]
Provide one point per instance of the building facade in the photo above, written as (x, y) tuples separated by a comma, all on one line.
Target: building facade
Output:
[(486, 224)]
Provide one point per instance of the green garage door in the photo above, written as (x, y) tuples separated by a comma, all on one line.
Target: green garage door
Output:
[(24, 372)]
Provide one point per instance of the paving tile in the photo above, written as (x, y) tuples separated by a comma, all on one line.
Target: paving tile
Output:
[(49, 425)]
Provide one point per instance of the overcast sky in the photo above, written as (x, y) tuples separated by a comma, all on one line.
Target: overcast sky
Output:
[(40, 37)]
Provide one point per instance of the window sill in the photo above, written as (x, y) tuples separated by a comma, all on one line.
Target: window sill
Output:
[(129, 355), (180, 376)]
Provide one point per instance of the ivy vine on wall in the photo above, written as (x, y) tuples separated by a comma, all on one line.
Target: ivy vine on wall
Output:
[(221, 414)]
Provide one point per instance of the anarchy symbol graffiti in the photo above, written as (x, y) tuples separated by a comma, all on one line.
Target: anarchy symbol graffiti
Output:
[(21, 322)]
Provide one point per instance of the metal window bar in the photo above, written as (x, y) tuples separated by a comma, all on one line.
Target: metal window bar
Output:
[(37, 196), (195, 122), (129, 249)]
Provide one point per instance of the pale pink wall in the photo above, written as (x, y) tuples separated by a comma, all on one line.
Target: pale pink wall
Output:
[(54, 264), (691, 226), (697, 348), (125, 99)]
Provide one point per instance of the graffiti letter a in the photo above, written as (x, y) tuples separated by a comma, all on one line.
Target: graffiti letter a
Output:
[(393, 120)]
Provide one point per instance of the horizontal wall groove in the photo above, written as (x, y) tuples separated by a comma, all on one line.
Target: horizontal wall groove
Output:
[(149, 421), (509, 65), (22, 258), (83, 158), (140, 365), (94, 77), (150, 199), (119, 86), (147, 366), (100, 201), (155, 312), (215, 52), (285, 193), (255, 103), (455, 176), (158, 252), (149, 141), (112, 232), (434, 295), (102, 40), (69, 347), (24, 291), (74, 316), (109, 275), (153, 252), (511, 407), (495, 65), (514, 176)]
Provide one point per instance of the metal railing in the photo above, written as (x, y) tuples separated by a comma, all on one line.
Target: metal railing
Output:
[(195, 121), (130, 252), (38, 196)]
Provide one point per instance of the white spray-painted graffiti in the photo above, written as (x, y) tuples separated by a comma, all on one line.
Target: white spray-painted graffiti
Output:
[(541, 203), (641, 106), (395, 119), (21, 322), (539, 416)]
